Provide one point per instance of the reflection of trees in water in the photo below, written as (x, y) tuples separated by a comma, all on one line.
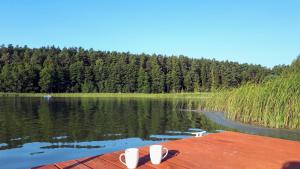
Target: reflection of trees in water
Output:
[(82, 119), (69, 146)]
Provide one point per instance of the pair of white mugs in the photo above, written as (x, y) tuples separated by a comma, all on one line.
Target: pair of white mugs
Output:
[(132, 156)]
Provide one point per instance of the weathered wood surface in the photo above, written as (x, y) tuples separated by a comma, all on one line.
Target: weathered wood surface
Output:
[(227, 150)]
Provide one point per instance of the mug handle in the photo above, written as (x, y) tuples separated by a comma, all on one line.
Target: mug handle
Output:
[(165, 153), (120, 158)]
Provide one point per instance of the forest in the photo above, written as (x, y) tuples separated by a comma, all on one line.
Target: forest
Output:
[(77, 70)]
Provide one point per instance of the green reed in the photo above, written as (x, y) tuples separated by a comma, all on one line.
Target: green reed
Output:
[(275, 103)]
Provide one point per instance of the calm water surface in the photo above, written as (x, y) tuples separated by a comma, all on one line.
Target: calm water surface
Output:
[(35, 131)]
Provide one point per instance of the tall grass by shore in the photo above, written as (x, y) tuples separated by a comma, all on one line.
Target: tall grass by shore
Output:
[(275, 103)]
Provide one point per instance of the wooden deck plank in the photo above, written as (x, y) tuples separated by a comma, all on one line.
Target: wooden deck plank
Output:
[(52, 166), (227, 150), (268, 142), (243, 149), (114, 157), (182, 162), (71, 164), (98, 163), (145, 163), (194, 156), (165, 162)]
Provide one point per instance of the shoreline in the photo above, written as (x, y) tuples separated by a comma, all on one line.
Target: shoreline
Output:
[(112, 95), (219, 118)]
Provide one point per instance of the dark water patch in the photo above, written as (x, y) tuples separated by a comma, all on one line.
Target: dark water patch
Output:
[(69, 146), (36, 153), (218, 117)]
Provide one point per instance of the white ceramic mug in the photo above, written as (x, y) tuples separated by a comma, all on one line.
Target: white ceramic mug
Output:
[(131, 158), (156, 153)]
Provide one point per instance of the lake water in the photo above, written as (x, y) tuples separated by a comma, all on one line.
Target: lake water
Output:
[(36, 131)]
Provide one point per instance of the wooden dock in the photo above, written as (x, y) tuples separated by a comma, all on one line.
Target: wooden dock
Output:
[(227, 150)]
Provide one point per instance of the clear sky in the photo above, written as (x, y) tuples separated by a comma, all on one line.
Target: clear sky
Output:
[(263, 32)]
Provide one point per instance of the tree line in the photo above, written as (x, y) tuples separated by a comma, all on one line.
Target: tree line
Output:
[(51, 69)]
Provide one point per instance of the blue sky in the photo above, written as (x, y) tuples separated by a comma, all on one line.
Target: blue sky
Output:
[(263, 32)]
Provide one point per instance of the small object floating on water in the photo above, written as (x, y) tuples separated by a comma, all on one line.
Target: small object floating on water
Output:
[(59, 137), (47, 96), (199, 134)]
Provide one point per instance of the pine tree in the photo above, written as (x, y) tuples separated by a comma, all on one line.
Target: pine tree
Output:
[(62, 81), (47, 81), (88, 85), (215, 77), (76, 76), (157, 76), (100, 75), (195, 74), (204, 77), (177, 78), (188, 82), (17, 77), (168, 81), (132, 72), (143, 81), (6, 79), (225, 75)]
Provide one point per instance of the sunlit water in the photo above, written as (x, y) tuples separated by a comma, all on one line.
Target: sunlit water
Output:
[(37, 131)]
